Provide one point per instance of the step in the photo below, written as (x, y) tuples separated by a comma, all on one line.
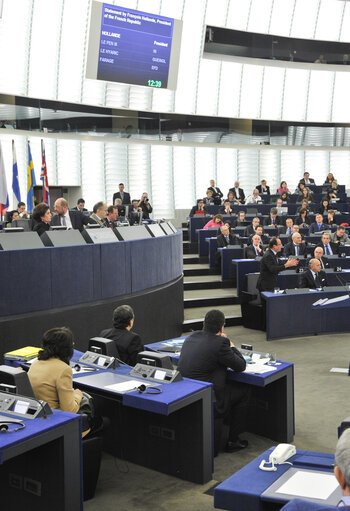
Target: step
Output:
[(184, 233), (206, 301), (189, 248), (190, 259), (202, 284), (197, 324), (199, 271)]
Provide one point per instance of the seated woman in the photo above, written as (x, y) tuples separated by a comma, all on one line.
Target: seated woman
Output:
[(305, 194), (285, 197), (303, 220), (324, 207), (209, 199), (334, 187), (50, 375), (329, 179), (216, 221), (42, 216), (283, 187), (11, 216)]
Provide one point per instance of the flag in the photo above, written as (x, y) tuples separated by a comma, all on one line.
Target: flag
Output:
[(4, 196), (30, 182), (43, 175), (15, 183)]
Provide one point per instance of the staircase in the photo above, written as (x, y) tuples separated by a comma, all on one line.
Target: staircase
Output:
[(204, 290)]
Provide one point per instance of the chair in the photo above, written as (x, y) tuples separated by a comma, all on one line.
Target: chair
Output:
[(253, 311)]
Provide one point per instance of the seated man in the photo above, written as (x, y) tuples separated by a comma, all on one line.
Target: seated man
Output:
[(263, 237), (251, 228), (99, 214), (238, 193), (70, 219), (287, 229), (263, 188), (255, 249), (128, 343), (313, 277), (217, 193), (254, 198), (226, 238), (318, 254), (340, 235), (272, 220), (197, 210), (296, 247), (112, 215), (341, 472), (205, 356), (134, 212), (21, 208), (226, 208), (80, 205), (329, 248), (120, 207), (318, 225), (306, 180)]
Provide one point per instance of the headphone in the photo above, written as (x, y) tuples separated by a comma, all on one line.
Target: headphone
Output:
[(142, 389), (4, 426)]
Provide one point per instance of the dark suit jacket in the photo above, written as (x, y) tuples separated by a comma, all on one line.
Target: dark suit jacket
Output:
[(205, 356), (259, 187), (222, 243), (250, 253), (325, 262), (306, 279), (77, 209), (299, 220), (194, 210), (77, 218), (240, 193), (314, 227), (41, 227), (289, 249), (278, 221), (249, 230), (223, 212), (334, 247), (312, 181), (126, 199), (217, 194), (270, 267), (128, 343), (263, 237)]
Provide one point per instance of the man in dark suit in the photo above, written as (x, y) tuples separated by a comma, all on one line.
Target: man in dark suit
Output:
[(313, 277), (251, 228), (238, 193), (296, 247), (70, 219), (128, 343), (318, 254), (80, 205), (306, 180), (240, 221), (205, 356), (124, 196), (217, 193), (255, 249), (112, 215), (226, 238), (263, 237), (272, 220), (145, 205), (329, 248), (270, 266), (263, 188), (288, 228), (226, 208), (318, 225)]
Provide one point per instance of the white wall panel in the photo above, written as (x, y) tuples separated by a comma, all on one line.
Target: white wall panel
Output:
[(320, 96), (292, 167), (259, 16), (237, 16), (341, 105), (340, 166), (248, 169), (271, 101), (250, 98), (116, 169), (281, 17), (139, 159), (226, 169), (295, 94), (269, 168), (216, 12), (329, 20), (205, 168), (208, 83), (162, 182), (184, 177), (317, 163), (304, 19), (92, 173), (345, 28), (230, 86), (68, 163)]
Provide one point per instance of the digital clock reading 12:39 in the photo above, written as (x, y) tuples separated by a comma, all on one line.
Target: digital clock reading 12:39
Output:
[(154, 83)]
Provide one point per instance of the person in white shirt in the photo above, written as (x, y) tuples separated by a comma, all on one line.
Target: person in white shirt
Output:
[(254, 198)]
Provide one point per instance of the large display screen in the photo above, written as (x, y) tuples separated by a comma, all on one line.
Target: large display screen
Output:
[(133, 47)]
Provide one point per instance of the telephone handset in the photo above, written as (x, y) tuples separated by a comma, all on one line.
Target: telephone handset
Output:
[(279, 455)]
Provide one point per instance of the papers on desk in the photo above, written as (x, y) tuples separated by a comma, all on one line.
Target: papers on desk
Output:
[(259, 367), (309, 484), (126, 386), (29, 362)]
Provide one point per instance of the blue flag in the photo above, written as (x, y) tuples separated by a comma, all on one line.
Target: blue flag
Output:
[(30, 181), (15, 183)]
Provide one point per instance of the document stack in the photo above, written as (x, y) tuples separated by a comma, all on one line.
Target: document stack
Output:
[(23, 354)]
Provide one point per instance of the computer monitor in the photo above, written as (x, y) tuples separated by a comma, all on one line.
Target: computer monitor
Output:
[(155, 230), (69, 238), (166, 228), (18, 378), (20, 240), (26, 223), (104, 346), (97, 236), (134, 232)]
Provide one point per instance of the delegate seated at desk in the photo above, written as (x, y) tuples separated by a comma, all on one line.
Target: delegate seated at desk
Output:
[(205, 356), (270, 266), (296, 247), (313, 277), (128, 343), (341, 472)]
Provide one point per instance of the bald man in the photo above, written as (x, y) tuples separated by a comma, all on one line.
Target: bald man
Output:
[(296, 247), (313, 277), (318, 254), (70, 219)]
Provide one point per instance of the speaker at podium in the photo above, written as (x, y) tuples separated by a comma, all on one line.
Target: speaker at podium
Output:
[(20, 240), (69, 238)]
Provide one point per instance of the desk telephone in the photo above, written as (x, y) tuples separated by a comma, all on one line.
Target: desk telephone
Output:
[(99, 361), (279, 455)]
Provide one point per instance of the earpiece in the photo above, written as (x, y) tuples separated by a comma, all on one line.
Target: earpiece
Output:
[(77, 367), (142, 389)]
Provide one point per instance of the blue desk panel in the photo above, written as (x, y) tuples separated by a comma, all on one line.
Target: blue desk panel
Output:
[(212, 247), (202, 235), (51, 277), (227, 254), (243, 490)]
